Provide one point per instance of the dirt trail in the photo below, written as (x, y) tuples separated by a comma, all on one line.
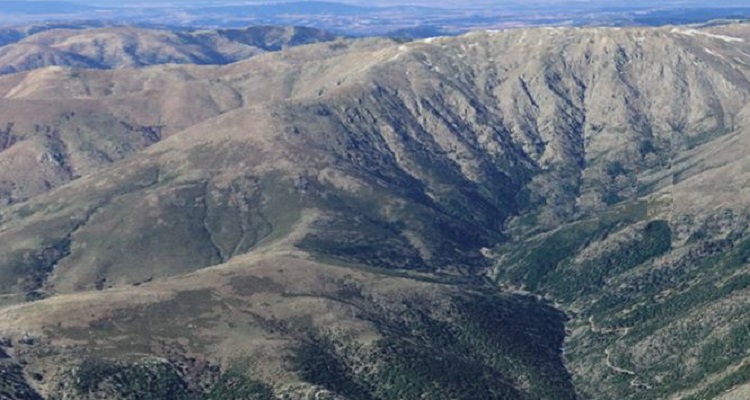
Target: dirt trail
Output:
[(608, 352)]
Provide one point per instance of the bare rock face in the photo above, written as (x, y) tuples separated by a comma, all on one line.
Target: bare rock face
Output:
[(338, 207)]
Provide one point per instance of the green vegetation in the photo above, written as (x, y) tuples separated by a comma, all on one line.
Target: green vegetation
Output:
[(613, 268), (538, 263), (149, 380), (722, 352), (35, 267), (739, 377), (13, 384), (234, 385), (712, 287), (570, 284), (649, 317), (317, 362), (160, 379), (482, 351), (414, 372)]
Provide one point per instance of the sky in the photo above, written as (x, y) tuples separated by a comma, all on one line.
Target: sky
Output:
[(446, 3), (520, 4)]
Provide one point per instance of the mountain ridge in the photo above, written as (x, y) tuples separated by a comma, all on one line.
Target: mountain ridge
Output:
[(121, 46)]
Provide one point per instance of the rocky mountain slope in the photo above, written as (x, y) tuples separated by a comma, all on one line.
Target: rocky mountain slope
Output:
[(336, 219), (90, 130)]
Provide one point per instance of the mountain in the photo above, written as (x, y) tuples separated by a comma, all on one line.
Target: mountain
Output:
[(531, 214), (118, 47), (71, 139)]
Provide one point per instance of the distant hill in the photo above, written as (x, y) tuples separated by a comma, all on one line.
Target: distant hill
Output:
[(292, 8), (378, 18), (118, 47)]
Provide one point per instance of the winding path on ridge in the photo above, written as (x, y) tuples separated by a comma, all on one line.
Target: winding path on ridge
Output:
[(608, 353)]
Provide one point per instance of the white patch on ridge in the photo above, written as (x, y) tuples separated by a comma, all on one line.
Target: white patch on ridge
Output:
[(695, 32), (713, 53)]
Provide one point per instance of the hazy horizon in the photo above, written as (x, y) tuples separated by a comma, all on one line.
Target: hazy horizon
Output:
[(425, 3), (410, 18)]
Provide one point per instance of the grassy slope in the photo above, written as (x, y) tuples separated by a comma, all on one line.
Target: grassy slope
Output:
[(297, 325)]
